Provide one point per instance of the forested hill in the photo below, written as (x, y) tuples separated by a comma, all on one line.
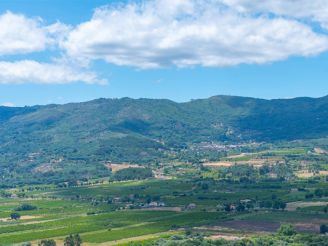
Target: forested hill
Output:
[(128, 129)]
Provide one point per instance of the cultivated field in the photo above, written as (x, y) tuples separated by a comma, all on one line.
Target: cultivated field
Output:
[(232, 198)]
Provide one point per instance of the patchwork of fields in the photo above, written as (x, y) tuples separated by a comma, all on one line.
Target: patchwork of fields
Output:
[(85, 210), (231, 202)]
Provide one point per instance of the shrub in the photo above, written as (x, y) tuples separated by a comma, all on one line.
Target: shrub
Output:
[(26, 207), (319, 192), (73, 240), (323, 229), (27, 244), (287, 230), (47, 242), (15, 216)]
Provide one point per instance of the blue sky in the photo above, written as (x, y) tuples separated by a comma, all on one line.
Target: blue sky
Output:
[(179, 50)]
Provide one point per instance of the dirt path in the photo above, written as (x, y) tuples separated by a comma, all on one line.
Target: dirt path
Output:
[(173, 209), (292, 206), (132, 239), (225, 237)]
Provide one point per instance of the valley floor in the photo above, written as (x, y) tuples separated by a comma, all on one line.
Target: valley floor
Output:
[(251, 195)]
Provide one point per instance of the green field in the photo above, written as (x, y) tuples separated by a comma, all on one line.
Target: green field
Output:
[(85, 210), (241, 201)]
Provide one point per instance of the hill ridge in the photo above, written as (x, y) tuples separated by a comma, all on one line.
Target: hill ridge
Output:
[(87, 134)]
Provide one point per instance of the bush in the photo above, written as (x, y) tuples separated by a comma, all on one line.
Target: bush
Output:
[(27, 244), (323, 229), (287, 230), (15, 216), (26, 207), (319, 192), (73, 240), (47, 242)]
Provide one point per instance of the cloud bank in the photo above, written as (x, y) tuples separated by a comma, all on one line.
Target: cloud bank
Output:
[(190, 33), (22, 35), (163, 33), (316, 10), (7, 104), (29, 71)]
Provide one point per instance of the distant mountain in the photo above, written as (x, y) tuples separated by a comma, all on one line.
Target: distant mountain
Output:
[(77, 138), (9, 112)]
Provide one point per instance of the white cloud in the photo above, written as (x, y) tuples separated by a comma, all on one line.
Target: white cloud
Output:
[(314, 10), (28, 71), (7, 104), (184, 33), (22, 35), (162, 33)]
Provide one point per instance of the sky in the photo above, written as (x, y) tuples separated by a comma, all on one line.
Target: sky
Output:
[(70, 51)]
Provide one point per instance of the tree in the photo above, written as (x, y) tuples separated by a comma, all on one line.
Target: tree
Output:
[(73, 240), (205, 186), (308, 196), (69, 241), (318, 192), (267, 204), (323, 229), (276, 205), (240, 207), (133, 173), (77, 240), (227, 207), (283, 205), (287, 230), (47, 242), (15, 216), (26, 207)]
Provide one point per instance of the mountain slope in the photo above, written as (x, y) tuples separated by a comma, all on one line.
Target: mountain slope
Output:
[(77, 138)]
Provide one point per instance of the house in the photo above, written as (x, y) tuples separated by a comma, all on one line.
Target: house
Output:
[(153, 204), (191, 206), (161, 204), (14, 196), (116, 199)]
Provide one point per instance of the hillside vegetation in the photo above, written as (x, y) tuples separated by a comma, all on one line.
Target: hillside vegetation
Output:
[(78, 138)]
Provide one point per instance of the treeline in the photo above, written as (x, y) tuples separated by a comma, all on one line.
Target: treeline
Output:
[(133, 173), (285, 235)]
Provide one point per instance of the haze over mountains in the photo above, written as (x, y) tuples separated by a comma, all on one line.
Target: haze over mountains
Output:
[(86, 134)]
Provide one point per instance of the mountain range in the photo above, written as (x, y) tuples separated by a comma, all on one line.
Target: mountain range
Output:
[(77, 138)]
